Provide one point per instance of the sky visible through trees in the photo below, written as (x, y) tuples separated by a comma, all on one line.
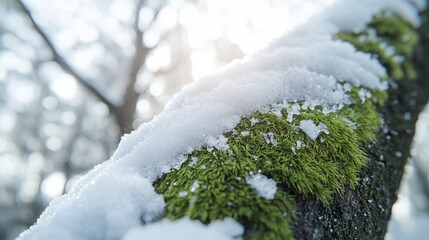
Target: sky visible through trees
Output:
[(75, 75)]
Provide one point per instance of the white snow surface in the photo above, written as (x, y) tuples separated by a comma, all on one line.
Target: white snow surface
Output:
[(186, 229), (311, 129), (304, 65), (266, 187)]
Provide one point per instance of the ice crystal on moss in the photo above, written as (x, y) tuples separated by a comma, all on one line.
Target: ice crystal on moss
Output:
[(269, 138), (311, 129), (265, 187)]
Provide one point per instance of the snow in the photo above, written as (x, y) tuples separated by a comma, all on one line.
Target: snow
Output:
[(269, 138), (364, 94), (103, 208), (195, 186), (183, 194), (294, 110), (311, 129), (305, 65), (219, 143), (299, 145), (253, 121), (266, 187), (186, 229), (245, 133), (194, 161)]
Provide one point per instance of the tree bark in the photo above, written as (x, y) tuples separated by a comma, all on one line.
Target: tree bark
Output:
[(364, 212)]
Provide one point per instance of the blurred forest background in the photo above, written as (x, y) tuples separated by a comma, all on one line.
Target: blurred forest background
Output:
[(76, 75)]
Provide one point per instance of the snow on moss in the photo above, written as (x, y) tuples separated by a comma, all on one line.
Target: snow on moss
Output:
[(269, 138), (305, 66), (311, 129), (266, 187)]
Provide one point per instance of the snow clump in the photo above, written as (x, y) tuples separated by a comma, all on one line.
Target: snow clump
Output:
[(266, 187), (186, 229), (311, 129)]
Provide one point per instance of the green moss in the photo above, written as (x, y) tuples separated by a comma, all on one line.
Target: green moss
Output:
[(319, 168), (212, 185), (391, 39)]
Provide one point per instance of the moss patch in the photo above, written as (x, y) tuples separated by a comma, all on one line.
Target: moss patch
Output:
[(391, 39), (212, 185)]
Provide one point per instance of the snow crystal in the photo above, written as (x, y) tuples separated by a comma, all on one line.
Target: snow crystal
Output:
[(269, 138), (364, 94), (253, 121), (294, 110), (349, 122), (245, 133), (194, 161), (304, 66), (194, 186), (277, 109), (187, 229), (266, 187), (219, 143), (183, 194), (311, 129), (299, 144)]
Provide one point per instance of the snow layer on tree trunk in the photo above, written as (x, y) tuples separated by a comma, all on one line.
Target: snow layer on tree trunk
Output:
[(185, 229), (304, 65)]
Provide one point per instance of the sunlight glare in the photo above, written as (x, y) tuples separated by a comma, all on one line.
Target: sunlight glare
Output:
[(53, 185), (250, 24), (151, 38), (203, 63), (159, 58), (143, 106), (146, 16), (64, 86), (167, 18), (123, 10), (157, 88)]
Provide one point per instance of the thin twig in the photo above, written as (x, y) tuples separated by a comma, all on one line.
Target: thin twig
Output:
[(91, 85)]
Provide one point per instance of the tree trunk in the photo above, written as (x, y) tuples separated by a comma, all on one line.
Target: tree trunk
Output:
[(364, 212)]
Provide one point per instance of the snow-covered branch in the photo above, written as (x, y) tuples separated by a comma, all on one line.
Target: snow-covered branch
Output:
[(297, 120)]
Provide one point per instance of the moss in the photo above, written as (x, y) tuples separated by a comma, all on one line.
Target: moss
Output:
[(391, 39), (318, 168), (211, 184)]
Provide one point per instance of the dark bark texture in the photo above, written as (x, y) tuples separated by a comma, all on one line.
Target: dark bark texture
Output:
[(364, 212)]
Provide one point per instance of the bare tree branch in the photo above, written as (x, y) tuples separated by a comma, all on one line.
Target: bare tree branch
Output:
[(123, 108), (126, 117), (91, 85)]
